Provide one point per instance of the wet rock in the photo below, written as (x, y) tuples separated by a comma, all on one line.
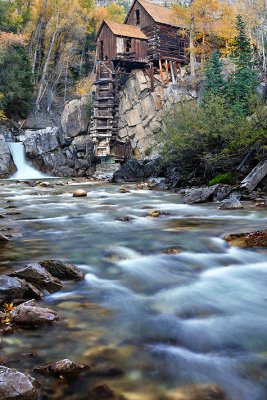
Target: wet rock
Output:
[(11, 288), (125, 218), (80, 193), (12, 213), (3, 238), (62, 270), (261, 204), (32, 292), (252, 239), (124, 190), (222, 192), (102, 391), (173, 250), (7, 166), (38, 276), (195, 392), (154, 213), (200, 195), (63, 368), (29, 314), (158, 184), (135, 171), (232, 203), (44, 184), (16, 385), (142, 186)]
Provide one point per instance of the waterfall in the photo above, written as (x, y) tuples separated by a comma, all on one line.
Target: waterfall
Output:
[(24, 169)]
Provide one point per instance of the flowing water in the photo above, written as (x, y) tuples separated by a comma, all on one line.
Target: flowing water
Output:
[(164, 320), (24, 169)]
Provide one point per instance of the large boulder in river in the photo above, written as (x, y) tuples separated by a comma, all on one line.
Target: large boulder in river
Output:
[(62, 270), (251, 239), (11, 288), (7, 166), (44, 148), (232, 203), (200, 195), (52, 153), (136, 171), (38, 276), (15, 385), (75, 117), (28, 315), (65, 368), (208, 193)]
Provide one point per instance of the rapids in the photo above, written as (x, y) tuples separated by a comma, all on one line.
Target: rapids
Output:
[(198, 316)]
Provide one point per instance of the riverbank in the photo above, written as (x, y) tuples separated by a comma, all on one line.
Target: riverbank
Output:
[(162, 304)]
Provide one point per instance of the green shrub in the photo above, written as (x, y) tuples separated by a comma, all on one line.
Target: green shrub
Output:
[(226, 178), (148, 151), (206, 139)]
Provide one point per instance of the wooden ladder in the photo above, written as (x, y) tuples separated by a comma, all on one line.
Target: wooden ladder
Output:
[(104, 121)]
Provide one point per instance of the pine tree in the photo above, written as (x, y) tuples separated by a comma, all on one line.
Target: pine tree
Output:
[(242, 84), (15, 82), (214, 79)]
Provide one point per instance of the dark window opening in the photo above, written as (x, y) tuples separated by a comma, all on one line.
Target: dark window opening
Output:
[(128, 45), (101, 50), (182, 48), (172, 49), (137, 16)]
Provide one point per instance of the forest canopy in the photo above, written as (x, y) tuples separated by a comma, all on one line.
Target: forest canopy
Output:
[(49, 46)]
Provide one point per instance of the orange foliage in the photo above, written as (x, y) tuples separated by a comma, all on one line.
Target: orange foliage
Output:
[(8, 39)]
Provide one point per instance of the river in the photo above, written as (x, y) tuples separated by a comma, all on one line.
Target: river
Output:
[(157, 320)]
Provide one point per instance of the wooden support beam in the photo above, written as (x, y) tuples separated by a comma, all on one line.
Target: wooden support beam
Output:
[(151, 73), (172, 73), (167, 71), (161, 72)]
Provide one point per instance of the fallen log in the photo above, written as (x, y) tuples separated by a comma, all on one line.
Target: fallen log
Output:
[(255, 176)]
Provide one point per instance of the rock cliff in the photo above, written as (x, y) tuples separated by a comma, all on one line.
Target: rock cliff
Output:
[(65, 150), (7, 166), (141, 110)]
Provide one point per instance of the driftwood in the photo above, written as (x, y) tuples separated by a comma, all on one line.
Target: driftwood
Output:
[(255, 176)]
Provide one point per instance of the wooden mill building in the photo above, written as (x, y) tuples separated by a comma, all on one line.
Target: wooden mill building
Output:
[(151, 38)]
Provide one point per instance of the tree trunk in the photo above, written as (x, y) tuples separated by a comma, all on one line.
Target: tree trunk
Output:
[(192, 45), (45, 69), (255, 176)]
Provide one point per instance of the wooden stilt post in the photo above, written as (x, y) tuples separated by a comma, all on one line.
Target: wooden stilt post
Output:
[(161, 72), (172, 73), (151, 72), (167, 71)]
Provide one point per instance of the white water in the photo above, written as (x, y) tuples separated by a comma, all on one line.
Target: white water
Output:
[(24, 169)]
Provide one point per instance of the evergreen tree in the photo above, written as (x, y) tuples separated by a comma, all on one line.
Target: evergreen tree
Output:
[(15, 82), (242, 84), (214, 79)]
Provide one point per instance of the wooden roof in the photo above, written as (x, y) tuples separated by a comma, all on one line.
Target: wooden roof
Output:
[(160, 14), (131, 31)]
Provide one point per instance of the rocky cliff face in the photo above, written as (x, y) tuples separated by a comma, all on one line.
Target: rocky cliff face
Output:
[(7, 166), (141, 110), (65, 150)]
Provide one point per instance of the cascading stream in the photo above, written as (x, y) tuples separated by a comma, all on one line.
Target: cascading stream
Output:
[(24, 169), (164, 319)]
